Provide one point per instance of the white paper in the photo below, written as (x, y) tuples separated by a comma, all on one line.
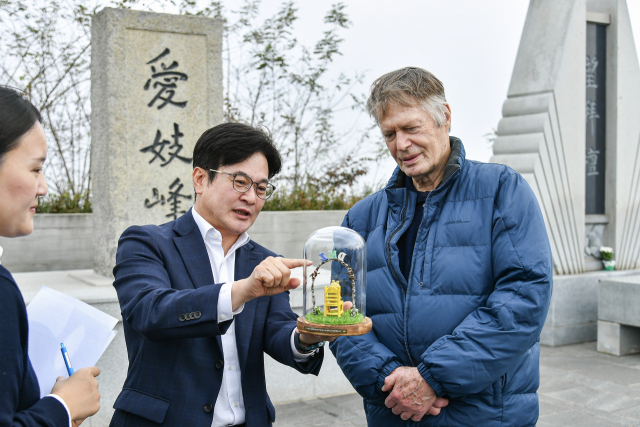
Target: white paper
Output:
[(56, 318)]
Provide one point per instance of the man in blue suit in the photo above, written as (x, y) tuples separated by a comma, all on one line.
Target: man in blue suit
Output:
[(201, 301)]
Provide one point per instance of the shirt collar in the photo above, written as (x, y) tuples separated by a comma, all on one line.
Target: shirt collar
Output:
[(208, 229)]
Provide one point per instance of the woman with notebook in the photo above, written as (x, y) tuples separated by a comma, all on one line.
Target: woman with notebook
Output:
[(23, 150)]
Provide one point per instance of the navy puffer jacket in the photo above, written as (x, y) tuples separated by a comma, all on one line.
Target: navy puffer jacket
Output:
[(470, 315)]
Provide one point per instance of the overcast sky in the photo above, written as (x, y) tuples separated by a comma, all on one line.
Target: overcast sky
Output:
[(470, 45)]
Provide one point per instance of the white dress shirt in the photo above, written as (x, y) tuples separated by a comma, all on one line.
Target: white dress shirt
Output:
[(229, 409)]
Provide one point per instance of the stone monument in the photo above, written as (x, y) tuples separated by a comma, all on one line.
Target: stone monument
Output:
[(156, 85), (574, 95)]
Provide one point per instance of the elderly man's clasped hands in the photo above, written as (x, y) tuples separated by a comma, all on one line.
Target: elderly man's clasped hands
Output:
[(411, 397)]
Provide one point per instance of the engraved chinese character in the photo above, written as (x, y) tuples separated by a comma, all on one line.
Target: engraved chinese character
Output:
[(174, 200), (173, 152), (592, 162), (592, 63), (164, 80), (157, 198), (592, 114)]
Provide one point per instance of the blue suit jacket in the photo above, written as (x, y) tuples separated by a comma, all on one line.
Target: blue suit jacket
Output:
[(20, 403), (163, 275)]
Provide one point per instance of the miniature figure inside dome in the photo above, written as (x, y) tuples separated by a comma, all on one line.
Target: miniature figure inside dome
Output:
[(335, 286)]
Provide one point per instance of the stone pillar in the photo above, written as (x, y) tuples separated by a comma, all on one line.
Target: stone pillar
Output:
[(543, 125), (156, 85), (572, 113), (542, 133)]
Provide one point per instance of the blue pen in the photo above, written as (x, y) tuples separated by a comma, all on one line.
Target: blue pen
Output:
[(67, 361)]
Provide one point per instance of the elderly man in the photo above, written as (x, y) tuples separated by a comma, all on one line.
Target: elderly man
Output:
[(459, 275)]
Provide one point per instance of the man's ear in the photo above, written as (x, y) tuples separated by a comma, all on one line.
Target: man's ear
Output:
[(448, 116), (200, 179)]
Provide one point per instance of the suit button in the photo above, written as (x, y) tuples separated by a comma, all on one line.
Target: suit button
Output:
[(189, 316), (182, 318), (219, 364), (198, 315), (208, 407)]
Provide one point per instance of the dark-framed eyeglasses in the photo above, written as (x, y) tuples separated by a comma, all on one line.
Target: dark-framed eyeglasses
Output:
[(242, 183)]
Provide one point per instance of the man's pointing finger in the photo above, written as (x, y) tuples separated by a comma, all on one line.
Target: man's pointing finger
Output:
[(294, 263)]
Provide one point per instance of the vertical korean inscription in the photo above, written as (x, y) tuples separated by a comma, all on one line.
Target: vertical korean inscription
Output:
[(166, 114), (595, 114)]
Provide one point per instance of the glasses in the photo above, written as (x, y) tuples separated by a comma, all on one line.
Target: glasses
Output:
[(242, 183)]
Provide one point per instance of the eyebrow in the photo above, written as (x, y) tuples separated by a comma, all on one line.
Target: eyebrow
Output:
[(265, 180)]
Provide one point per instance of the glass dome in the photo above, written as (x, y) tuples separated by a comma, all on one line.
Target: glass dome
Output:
[(334, 287)]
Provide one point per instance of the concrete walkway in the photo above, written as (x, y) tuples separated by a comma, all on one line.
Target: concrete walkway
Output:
[(578, 387)]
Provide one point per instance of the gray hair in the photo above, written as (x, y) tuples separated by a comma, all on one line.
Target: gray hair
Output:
[(410, 86)]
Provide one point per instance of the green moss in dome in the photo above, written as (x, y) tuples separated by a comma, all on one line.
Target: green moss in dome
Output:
[(345, 319)]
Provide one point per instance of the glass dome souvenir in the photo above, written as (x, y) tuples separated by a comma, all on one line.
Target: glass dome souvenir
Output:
[(334, 287)]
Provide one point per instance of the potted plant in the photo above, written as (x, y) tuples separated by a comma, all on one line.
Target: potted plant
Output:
[(607, 258)]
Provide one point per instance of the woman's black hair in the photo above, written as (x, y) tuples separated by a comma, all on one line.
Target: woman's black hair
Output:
[(17, 117), (232, 143)]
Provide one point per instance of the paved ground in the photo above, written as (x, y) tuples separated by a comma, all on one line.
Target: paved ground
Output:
[(579, 387)]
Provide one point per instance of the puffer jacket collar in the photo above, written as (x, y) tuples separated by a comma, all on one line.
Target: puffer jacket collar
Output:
[(395, 188)]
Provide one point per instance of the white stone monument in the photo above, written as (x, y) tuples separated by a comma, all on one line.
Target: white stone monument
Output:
[(156, 85), (570, 126)]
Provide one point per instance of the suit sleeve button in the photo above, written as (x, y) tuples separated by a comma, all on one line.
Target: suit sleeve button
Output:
[(208, 408), (191, 316), (219, 364), (182, 318), (198, 315)]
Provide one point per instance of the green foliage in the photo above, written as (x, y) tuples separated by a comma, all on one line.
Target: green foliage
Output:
[(606, 253), (65, 203), (345, 319), (310, 199)]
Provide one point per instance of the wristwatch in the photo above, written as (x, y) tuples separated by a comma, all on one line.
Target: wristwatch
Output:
[(313, 348)]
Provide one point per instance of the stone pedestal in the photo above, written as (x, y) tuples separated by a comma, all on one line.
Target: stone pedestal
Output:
[(619, 315), (156, 85), (573, 312), (617, 339)]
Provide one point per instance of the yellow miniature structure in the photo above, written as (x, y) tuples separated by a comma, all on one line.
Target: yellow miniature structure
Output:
[(333, 300)]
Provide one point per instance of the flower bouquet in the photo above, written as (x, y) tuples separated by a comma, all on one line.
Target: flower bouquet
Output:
[(607, 258)]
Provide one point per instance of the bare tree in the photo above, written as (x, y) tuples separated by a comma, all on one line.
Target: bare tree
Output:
[(48, 59), (273, 80), (270, 79)]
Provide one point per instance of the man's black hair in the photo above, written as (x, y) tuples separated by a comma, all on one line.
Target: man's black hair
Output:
[(231, 143), (17, 117)]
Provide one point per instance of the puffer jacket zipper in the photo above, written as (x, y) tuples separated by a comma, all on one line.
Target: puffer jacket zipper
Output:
[(391, 267), (393, 270), (404, 214)]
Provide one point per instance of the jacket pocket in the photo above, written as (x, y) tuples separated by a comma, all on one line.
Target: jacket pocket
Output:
[(142, 404)]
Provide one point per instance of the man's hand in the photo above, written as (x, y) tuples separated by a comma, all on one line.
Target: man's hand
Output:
[(411, 396), (80, 393), (272, 276)]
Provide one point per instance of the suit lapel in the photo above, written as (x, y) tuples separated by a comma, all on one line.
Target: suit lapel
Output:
[(194, 254), (246, 261), (193, 251)]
